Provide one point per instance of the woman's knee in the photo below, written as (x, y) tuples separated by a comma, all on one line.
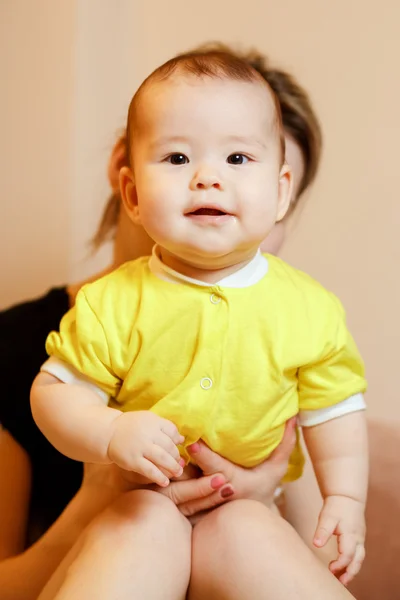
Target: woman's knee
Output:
[(241, 523), (145, 502), (222, 544), (239, 515), (140, 512)]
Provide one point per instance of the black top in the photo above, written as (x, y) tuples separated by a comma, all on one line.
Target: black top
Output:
[(23, 332)]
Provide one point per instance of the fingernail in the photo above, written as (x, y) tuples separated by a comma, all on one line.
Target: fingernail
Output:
[(194, 448), (182, 462), (217, 481), (226, 492)]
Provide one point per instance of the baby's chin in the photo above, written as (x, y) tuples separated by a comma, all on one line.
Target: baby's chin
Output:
[(273, 243), (212, 260)]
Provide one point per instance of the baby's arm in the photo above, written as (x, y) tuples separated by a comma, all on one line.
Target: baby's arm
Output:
[(79, 424), (339, 452)]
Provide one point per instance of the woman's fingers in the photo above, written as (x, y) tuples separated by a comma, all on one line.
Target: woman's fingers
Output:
[(200, 505), (182, 493), (284, 450), (208, 461), (244, 482)]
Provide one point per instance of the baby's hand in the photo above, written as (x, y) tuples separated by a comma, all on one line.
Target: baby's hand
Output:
[(147, 444), (343, 517)]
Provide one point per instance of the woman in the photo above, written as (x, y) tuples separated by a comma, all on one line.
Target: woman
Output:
[(303, 151)]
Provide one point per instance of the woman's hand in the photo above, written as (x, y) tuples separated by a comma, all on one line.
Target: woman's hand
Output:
[(110, 481), (195, 493), (195, 496)]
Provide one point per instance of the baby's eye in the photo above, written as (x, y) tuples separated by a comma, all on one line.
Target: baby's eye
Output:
[(237, 159), (177, 159)]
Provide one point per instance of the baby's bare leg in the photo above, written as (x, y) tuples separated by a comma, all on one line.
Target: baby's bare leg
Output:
[(137, 548), (243, 550)]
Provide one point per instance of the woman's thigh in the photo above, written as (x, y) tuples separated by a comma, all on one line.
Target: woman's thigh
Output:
[(244, 550), (15, 485), (139, 547)]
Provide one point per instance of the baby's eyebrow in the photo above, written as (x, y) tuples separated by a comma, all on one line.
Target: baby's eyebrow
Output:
[(250, 141), (235, 139), (165, 140)]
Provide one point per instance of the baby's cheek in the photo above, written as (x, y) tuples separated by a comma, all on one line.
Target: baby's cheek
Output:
[(273, 243)]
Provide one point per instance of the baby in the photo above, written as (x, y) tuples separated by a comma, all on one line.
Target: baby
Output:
[(208, 338)]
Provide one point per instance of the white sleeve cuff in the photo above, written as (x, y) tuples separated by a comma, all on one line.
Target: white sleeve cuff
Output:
[(309, 418), (68, 374)]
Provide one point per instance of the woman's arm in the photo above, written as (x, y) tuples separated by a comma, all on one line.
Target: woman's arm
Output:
[(22, 577), (15, 485)]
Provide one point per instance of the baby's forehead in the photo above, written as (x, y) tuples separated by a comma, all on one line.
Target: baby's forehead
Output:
[(181, 93)]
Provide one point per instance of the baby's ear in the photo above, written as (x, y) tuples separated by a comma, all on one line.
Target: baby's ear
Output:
[(284, 192), (118, 159), (128, 194)]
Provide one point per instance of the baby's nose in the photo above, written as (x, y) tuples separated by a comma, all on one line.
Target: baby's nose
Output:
[(205, 179)]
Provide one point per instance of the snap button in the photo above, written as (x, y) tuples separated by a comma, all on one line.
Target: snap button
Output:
[(206, 383), (215, 299)]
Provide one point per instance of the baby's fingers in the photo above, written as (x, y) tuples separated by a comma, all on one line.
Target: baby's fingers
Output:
[(347, 550), (325, 529), (151, 472), (163, 460), (354, 566), (164, 441), (171, 430)]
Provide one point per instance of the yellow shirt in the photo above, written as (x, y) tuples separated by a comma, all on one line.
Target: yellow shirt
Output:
[(227, 365)]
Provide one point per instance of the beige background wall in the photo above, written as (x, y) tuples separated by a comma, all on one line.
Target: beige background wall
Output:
[(37, 79), (71, 67)]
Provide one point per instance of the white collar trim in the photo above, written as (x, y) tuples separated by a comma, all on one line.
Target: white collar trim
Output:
[(248, 275)]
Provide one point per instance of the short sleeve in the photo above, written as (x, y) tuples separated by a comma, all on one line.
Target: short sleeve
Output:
[(82, 343), (338, 370)]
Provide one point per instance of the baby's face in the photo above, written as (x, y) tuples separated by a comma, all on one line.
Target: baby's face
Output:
[(207, 168)]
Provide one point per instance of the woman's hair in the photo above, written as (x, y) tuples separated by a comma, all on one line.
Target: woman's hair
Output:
[(299, 122), (298, 116)]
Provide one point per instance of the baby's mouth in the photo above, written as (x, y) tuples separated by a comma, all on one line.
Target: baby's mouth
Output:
[(213, 212)]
